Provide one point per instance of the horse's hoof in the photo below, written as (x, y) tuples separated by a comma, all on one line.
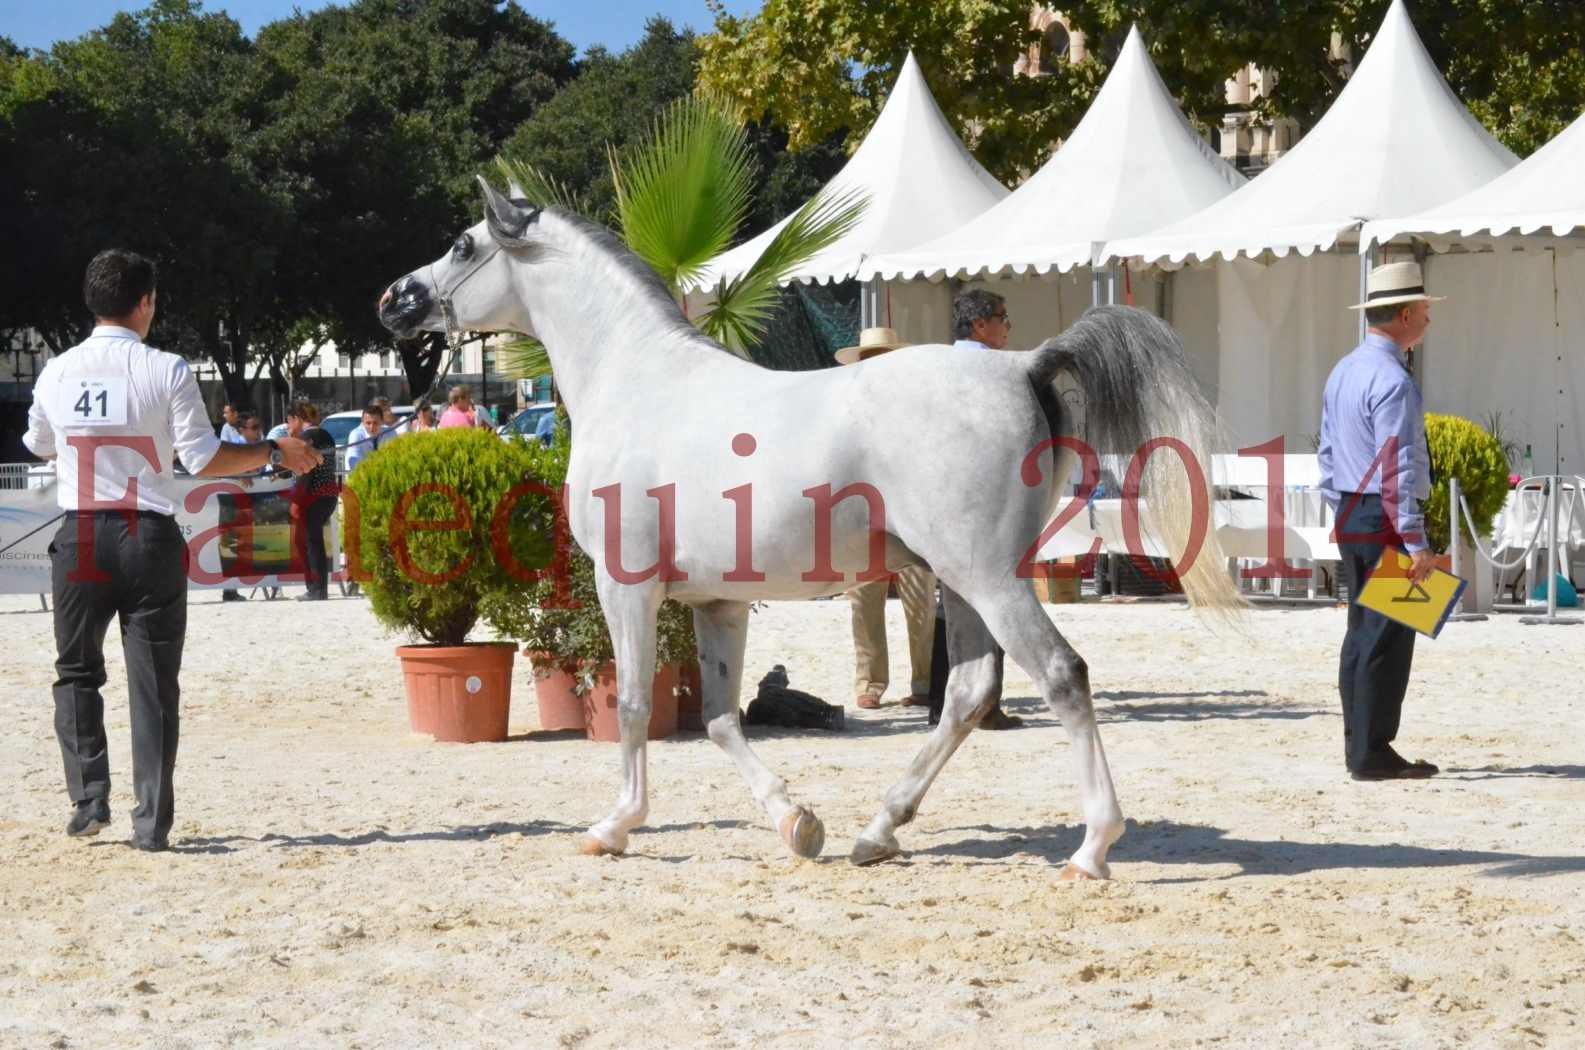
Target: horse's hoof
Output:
[(865, 852), (593, 847), (803, 832), (1074, 873)]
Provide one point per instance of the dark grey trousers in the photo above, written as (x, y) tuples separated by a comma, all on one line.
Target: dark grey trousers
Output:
[(1373, 670), (107, 566)]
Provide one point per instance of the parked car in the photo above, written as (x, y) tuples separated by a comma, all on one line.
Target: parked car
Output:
[(527, 420)]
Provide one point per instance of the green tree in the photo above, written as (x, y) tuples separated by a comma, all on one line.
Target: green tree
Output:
[(612, 104), (120, 133), (379, 115), (820, 66), (1520, 67)]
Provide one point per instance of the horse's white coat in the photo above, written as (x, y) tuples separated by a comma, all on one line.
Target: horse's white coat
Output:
[(655, 407)]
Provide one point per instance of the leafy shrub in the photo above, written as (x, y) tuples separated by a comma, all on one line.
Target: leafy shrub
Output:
[(1464, 450), (425, 508)]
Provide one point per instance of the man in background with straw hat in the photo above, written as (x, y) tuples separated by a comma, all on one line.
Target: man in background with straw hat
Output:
[(916, 586), (1376, 473)]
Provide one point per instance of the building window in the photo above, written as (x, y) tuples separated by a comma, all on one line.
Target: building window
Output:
[(1053, 47)]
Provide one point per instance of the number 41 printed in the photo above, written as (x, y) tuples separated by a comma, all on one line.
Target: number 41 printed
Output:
[(96, 401)]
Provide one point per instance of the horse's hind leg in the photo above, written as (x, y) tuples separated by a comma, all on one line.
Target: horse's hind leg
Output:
[(973, 686), (722, 631), (1021, 625)]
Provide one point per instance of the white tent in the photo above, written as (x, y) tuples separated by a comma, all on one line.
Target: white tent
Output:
[(1544, 195), (920, 180), (1132, 165), (1510, 335), (1396, 140)]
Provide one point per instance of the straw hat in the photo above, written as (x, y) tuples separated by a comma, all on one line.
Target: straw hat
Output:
[(1394, 283), (871, 341)]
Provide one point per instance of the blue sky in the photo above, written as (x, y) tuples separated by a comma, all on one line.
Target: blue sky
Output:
[(614, 23)]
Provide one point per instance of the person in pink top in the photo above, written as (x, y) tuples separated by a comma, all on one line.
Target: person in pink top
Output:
[(460, 412)]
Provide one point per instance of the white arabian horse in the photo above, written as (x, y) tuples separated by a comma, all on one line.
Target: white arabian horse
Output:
[(733, 482)]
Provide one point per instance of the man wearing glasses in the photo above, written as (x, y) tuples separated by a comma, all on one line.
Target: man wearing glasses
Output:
[(979, 322)]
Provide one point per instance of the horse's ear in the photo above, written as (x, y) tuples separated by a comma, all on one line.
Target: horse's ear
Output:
[(507, 220)]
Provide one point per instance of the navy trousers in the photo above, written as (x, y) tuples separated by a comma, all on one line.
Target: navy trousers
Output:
[(1373, 672), (142, 570)]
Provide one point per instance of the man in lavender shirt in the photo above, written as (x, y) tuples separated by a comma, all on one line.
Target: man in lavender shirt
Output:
[(1376, 473)]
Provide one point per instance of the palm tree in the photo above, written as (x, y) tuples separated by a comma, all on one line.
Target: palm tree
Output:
[(682, 193)]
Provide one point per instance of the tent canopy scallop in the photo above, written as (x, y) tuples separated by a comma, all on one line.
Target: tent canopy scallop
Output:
[(1545, 195)]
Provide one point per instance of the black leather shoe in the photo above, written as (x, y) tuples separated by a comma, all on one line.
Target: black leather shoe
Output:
[(232, 596), (149, 845), (1387, 764), (311, 597), (89, 817)]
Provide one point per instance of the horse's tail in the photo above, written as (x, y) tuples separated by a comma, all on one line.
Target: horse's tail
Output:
[(1137, 387)]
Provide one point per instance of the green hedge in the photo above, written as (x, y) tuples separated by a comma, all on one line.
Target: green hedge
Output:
[(1462, 449), (436, 583)]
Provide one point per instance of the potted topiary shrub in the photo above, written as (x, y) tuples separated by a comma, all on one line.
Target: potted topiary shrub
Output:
[(442, 528), (1464, 450)]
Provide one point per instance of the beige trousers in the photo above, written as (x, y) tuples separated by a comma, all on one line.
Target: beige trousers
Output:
[(917, 587)]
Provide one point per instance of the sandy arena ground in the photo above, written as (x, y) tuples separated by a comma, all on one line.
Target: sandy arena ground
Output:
[(340, 882)]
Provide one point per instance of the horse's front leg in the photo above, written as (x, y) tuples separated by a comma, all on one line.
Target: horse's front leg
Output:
[(630, 612), (722, 631)]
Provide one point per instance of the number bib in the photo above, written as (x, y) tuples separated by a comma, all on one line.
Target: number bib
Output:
[(94, 401)]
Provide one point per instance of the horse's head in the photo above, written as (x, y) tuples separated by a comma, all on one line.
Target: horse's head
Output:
[(470, 287)]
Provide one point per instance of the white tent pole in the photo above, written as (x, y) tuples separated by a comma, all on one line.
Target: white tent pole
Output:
[(1097, 285), (1367, 260), (869, 303)]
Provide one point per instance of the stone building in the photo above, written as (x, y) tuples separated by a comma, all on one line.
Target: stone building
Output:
[(1245, 139)]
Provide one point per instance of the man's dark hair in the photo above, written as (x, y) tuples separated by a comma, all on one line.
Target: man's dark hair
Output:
[(246, 419), (373, 409), (116, 282), (1376, 316), (976, 304)]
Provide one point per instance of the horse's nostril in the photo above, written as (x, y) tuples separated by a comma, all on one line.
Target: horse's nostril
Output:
[(385, 300)]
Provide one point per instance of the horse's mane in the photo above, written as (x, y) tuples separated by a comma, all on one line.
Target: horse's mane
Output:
[(644, 280)]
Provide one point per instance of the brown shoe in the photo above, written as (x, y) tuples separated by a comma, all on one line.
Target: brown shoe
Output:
[(996, 718), (868, 701), (916, 700)]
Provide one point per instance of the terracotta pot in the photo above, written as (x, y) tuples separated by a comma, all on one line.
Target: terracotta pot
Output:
[(459, 694), (690, 712), (599, 705), (556, 693)]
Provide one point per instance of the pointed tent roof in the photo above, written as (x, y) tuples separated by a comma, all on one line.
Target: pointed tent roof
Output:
[(1132, 165), (1545, 194), (1395, 141), (920, 180)]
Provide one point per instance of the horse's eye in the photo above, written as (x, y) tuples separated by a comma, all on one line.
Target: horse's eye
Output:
[(462, 248)]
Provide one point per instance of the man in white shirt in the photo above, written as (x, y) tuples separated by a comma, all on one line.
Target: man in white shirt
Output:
[(228, 425), (362, 442), (112, 412)]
